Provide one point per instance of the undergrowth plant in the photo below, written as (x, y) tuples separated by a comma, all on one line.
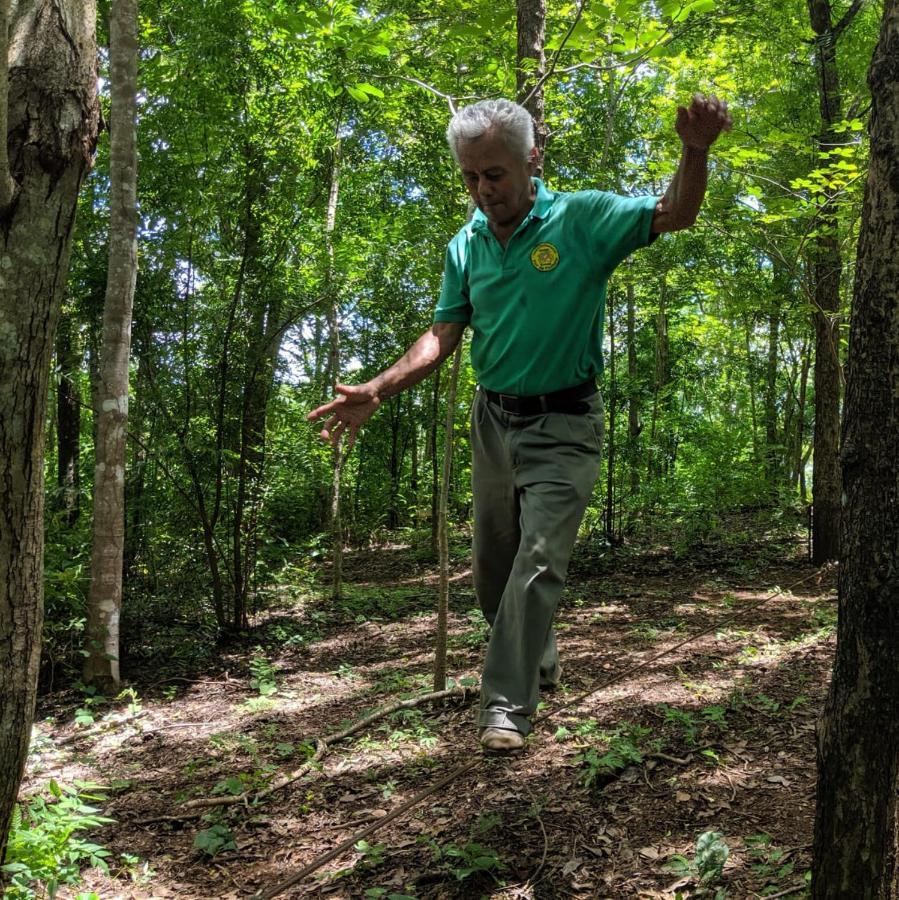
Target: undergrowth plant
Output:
[(47, 848), (707, 865)]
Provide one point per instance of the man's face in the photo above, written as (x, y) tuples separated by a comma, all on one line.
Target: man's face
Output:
[(498, 180)]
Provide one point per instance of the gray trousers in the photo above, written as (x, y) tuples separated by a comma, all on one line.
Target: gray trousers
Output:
[(532, 477)]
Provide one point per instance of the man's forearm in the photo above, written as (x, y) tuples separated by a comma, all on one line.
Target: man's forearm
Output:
[(422, 358), (685, 194)]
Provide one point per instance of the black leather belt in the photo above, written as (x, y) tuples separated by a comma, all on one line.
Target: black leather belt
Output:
[(569, 400)]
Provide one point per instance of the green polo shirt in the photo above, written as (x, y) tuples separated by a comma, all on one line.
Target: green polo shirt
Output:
[(537, 306)]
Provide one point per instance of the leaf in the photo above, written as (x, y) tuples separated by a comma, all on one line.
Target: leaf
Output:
[(370, 89), (356, 94)]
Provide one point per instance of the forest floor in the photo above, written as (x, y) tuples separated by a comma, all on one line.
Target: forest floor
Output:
[(608, 799)]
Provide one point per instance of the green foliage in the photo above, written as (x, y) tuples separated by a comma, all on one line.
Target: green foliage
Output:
[(264, 675), (475, 634), (46, 847), (470, 859), (768, 860), (214, 840), (707, 864), (372, 854), (621, 747), (684, 720)]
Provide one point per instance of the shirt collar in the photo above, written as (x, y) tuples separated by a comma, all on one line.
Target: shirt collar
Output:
[(540, 210)]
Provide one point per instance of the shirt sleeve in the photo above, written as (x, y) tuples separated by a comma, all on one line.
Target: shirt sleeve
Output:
[(454, 304), (621, 224)]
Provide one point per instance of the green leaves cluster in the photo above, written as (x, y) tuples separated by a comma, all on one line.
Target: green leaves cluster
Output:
[(47, 847)]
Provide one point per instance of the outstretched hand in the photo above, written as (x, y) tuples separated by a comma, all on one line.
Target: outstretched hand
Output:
[(700, 124), (356, 404)]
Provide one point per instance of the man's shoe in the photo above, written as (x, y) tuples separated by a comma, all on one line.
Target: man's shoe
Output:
[(502, 740)]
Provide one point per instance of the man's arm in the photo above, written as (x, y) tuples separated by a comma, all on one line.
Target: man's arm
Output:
[(698, 128), (358, 403)]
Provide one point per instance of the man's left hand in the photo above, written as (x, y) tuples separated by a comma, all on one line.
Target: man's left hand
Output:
[(699, 125)]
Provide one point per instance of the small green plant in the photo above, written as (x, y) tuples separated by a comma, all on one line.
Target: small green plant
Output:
[(372, 854), (487, 822), (707, 864), (763, 701), (686, 721), (134, 701), (409, 726), (214, 840), (623, 749), (46, 849), (717, 715), (476, 634), (264, 675), (768, 860), (471, 859)]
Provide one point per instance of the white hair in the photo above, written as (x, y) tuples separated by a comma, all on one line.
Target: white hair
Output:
[(514, 122)]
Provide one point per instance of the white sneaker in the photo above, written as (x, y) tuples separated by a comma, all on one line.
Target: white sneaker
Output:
[(502, 740)]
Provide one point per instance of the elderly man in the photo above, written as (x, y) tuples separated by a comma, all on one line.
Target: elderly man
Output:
[(528, 273)]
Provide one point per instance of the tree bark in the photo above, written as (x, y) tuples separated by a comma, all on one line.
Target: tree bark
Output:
[(857, 827), (68, 424), (633, 407), (53, 118), (442, 531), (531, 39), (772, 448), (613, 415), (334, 372), (826, 266), (104, 605)]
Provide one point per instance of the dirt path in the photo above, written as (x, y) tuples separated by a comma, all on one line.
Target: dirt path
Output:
[(607, 801)]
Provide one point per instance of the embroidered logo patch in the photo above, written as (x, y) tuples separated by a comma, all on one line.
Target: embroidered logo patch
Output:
[(545, 257)]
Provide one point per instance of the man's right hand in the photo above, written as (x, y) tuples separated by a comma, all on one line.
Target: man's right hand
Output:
[(348, 413)]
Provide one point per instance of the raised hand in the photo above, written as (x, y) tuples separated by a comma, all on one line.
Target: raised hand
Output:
[(700, 124), (356, 404)]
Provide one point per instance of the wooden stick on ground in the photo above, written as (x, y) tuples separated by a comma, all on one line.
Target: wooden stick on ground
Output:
[(193, 808)]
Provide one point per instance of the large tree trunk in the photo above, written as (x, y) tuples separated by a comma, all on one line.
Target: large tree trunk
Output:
[(826, 267), (857, 827), (53, 118), (104, 605)]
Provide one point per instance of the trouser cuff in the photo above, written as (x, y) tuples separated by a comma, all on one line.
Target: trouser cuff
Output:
[(498, 718)]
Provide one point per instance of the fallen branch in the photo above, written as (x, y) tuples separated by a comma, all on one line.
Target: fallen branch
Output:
[(193, 808), (672, 759)]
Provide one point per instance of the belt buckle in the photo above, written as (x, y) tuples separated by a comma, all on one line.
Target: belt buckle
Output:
[(513, 403)]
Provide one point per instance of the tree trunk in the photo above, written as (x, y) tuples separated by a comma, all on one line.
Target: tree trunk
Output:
[(856, 847), (68, 424), (435, 476), (334, 372), (104, 605), (53, 118), (772, 449), (750, 379), (442, 530), (613, 414), (826, 267), (531, 67), (660, 382), (798, 458), (633, 408)]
